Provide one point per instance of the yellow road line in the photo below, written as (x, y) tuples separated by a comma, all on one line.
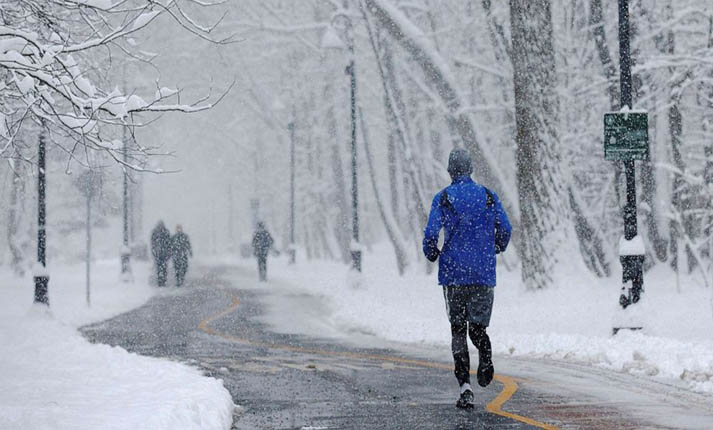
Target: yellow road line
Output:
[(509, 388), (203, 326), (494, 407)]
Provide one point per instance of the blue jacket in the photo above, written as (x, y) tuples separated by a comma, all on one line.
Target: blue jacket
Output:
[(474, 233)]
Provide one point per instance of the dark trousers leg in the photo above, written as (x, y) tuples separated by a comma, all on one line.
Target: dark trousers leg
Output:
[(180, 273), (481, 340), (262, 268), (459, 347), (161, 273)]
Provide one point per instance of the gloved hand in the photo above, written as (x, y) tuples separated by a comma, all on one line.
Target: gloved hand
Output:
[(433, 256)]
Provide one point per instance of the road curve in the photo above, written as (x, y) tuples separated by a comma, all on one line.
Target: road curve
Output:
[(293, 381)]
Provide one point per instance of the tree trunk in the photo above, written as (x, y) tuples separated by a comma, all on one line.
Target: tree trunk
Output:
[(680, 224), (674, 125), (648, 190), (395, 133), (339, 191), (596, 22), (544, 221), (392, 229), (397, 115), (708, 151), (648, 177), (590, 239), (13, 222), (496, 32)]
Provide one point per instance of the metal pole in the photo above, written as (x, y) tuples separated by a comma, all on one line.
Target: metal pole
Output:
[(292, 250), (708, 151), (125, 250), (632, 265), (41, 276), (138, 212), (213, 237), (231, 232), (89, 243), (132, 227), (625, 81), (356, 252), (626, 84)]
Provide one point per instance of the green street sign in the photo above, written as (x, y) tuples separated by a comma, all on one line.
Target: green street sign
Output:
[(626, 136)]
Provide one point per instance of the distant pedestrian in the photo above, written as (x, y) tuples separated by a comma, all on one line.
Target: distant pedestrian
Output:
[(181, 250), (161, 251), (262, 243), (476, 228)]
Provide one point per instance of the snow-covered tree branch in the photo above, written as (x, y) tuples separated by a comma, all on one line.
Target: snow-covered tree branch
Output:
[(51, 54)]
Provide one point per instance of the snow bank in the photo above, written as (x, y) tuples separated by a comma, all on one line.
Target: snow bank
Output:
[(52, 378), (572, 321)]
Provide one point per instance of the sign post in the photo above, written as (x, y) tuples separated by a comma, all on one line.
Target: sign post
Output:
[(626, 136), (626, 139)]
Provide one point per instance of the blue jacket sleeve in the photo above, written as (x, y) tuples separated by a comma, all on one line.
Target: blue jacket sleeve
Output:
[(433, 228), (503, 229)]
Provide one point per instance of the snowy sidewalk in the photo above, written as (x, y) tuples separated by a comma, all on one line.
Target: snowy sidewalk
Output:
[(53, 378)]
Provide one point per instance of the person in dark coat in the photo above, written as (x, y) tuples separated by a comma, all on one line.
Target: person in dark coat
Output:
[(262, 243), (181, 249), (476, 229), (161, 251)]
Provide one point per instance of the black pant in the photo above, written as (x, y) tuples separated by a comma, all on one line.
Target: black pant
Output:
[(459, 345), (161, 272), (181, 267), (469, 308), (262, 267)]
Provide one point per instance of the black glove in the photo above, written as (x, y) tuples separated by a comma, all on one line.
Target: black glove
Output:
[(433, 256)]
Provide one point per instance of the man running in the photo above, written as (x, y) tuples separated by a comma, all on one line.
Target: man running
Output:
[(476, 229)]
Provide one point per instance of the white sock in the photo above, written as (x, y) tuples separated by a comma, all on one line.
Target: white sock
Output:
[(465, 387)]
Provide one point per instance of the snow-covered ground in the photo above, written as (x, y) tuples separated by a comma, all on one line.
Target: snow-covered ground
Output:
[(570, 322), (52, 378)]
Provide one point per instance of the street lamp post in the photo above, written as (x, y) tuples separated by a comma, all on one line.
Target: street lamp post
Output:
[(292, 250), (41, 276), (125, 249), (332, 40), (355, 249), (231, 230), (89, 184), (139, 249), (279, 107)]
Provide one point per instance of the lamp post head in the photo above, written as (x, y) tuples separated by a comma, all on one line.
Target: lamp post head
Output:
[(332, 40), (277, 105)]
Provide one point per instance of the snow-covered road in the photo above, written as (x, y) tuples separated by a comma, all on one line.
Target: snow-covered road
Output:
[(289, 366)]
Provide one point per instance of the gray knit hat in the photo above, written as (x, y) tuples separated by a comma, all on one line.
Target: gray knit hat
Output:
[(459, 163)]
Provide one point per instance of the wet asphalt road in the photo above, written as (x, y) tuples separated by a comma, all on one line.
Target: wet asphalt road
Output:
[(286, 381)]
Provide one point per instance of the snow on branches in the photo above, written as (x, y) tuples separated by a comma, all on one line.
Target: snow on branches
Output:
[(50, 57)]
